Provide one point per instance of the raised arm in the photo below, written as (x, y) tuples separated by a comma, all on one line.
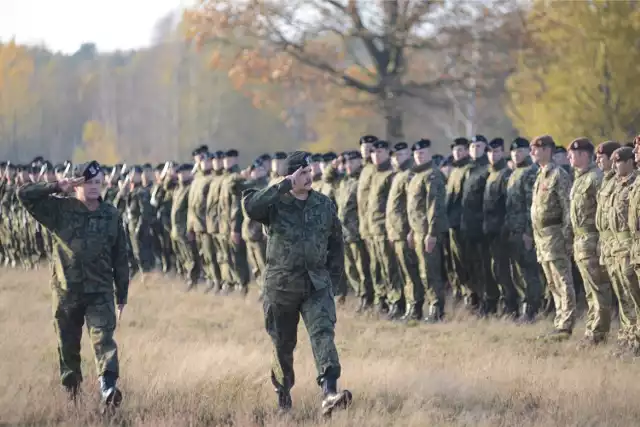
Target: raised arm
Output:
[(258, 203), (38, 200)]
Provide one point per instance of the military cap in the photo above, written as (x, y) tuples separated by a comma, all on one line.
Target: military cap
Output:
[(297, 160), (231, 153), (400, 146), (184, 167), (3, 164), (464, 142), (352, 155), (519, 142), (496, 143), (380, 143), (623, 154), (88, 170), (329, 157), (543, 141), (159, 167), (419, 145), (203, 148), (195, 152), (280, 155), (368, 139), (136, 169), (607, 148), (479, 138), (316, 158), (266, 157), (582, 144), (560, 149), (257, 163), (37, 159), (219, 154)]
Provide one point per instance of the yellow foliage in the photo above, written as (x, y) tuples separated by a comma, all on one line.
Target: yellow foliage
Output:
[(98, 143), (580, 79)]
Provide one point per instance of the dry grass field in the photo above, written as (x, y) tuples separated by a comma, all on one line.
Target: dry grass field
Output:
[(192, 359)]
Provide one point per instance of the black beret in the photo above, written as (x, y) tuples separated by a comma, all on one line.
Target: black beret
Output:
[(256, 164), (136, 169), (464, 142), (203, 149), (560, 149), (265, 157), (496, 143), (147, 166), (368, 139), (219, 154), (185, 167), (519, 142), (582, 144), (280, 155), (607, 148), (38, 159), (195, 152), (479, 138), (231, 153), (419, 145), (159, 167), (88, 170), (316, 158), (329, 157), (297, 160), (400, 146), (622, 154), (352, 155), (380, 143)]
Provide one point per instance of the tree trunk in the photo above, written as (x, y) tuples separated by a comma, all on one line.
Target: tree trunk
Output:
[(394, 124)]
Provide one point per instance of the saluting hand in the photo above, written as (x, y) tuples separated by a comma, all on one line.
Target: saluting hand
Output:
[(296, 181), (66, 185)]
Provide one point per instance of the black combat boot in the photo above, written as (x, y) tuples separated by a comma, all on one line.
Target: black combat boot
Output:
[(72, 391), (332, 399), (528, 315), (382, 307), (111, 395), (395, 312), (284, 399)]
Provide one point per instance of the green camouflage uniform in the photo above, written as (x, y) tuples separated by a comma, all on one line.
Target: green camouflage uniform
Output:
[(140, 214), (255, 240), (364, 186), (185, 249), (305, 258), (633, 202), (219, 258), (89, 257), (196, 222), (456, 251), (551, 221)]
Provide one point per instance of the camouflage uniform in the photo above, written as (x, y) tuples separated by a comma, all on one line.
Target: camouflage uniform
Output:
[(426, 207), (525, 271), (496, 232), (330, 183), (161, 201), (219, 257), (551, 221), (398, 230), (196, 222), (364, 186), (585, 251), (607, 241), (185, 249), (383, 263), (633, 200), (305, 257), (140, 215), (255, 241), (459, 276), (89, 257)]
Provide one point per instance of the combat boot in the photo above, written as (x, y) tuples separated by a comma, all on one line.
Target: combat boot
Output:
[(284, 399), (365, 304), (212, 286), (435, 315), (332, 399), (528, 315), (111, 395), (395, 312), (382, 307), (72, 392)]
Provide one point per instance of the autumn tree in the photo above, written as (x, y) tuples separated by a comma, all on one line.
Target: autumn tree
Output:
[(379, 53), (98, 143), (578, 75)]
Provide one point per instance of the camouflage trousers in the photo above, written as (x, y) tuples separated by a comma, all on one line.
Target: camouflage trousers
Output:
[(187, 257), (560, 282), (257, 257), (408, 265), (481, 279), (141, 245), (70, 312), (356, 265), (598, 294), (162, 248), (238, 268), (430, 270), (500, 271), (619, 276), (207, 252), (525, 274), (458, 253), (384, 268), (282, 311)]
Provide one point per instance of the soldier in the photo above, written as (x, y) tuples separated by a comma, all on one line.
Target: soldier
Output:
[(230, 211), (495, 210), (364, 186), (397, 224), (216, 243), (300, 280), (458, 276), (387, 289), (90, 264), (330, 176), (551, 221), (588, 180), (426, 208), (525, 272), (184, 244), (278, 166), (252, 231), (626, 310), (356, 254), (316, 171)]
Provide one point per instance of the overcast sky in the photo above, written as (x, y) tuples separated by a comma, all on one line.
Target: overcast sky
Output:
[(63, 25)]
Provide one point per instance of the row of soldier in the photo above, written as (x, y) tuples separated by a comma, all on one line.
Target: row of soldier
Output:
[(506, 229)]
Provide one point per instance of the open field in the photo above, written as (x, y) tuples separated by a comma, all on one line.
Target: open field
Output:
[(198, 359)]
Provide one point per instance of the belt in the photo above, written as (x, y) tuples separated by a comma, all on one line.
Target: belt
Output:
[(623, 235), (583, 231), (606, 234)]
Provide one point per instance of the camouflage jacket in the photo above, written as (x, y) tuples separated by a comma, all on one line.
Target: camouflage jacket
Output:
[(634, 222), (180, 210), (551, 213), (364, 186), (602, 217), (89, 247), (230, 210), (110, 193), (304, 238), (619, 212), (584, 203), (455, 186), (137, 207), (378, 194), (251, 229), (198, 191), (426, 196), (330, 182), (161, 200), (213, 202), (397, 222), (347, 205), (494, 204), (318, 182), (519, 198), (474, 181)]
